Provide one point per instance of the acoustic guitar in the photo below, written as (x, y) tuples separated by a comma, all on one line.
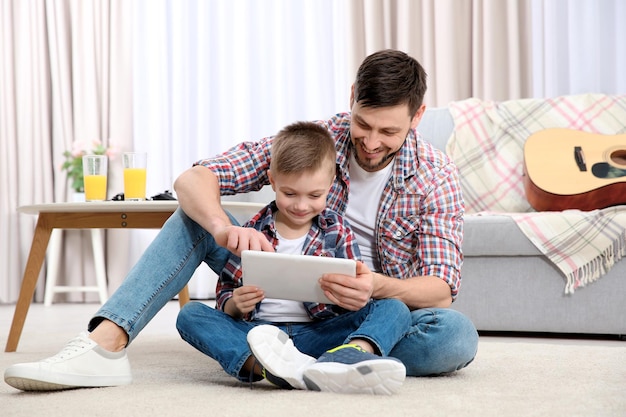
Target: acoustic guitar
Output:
[(570, 169)]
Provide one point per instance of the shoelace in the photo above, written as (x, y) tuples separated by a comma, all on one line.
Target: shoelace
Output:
[(348, 345), (75, 345)]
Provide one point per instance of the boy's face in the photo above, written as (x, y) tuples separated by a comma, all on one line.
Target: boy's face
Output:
[(302, 196), (378, 133)]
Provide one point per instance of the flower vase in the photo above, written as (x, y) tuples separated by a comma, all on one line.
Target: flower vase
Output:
[(78, 197)]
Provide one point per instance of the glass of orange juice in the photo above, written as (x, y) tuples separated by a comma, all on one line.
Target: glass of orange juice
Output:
[(134, 175), (95, 176)]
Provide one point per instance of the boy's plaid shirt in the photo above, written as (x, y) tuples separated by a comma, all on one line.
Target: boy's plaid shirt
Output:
[(329, 236), (419, 230)]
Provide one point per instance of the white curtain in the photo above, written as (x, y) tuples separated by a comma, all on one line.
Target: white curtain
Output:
[(25, 157), (579, 46), (65, 76), (468, 48)]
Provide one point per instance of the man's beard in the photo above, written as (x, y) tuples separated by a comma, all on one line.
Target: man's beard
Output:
[(373, 166)]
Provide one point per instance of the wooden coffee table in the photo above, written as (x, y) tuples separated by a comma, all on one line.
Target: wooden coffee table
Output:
[(93, 215)]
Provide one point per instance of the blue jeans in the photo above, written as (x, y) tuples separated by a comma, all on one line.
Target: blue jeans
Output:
[(381, 322), (438, 340), (161, 273)]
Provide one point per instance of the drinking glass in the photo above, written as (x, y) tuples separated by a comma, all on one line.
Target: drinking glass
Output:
[(134, 175)]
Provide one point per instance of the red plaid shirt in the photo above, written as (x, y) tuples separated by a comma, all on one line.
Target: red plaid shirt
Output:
[(420, 222)]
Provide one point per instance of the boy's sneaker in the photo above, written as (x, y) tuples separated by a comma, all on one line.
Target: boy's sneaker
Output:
[(81, 364), (350, 369), (283, 364)]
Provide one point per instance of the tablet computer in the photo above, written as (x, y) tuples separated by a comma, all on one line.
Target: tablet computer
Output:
[(291, 277)]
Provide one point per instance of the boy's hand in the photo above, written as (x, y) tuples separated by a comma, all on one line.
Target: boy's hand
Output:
[(237, 239), (351, 293), (244, 300)]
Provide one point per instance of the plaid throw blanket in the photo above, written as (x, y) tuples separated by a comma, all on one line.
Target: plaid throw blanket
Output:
[(487, 146)]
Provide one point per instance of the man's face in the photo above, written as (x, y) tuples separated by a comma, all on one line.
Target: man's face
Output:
[(378, 133)]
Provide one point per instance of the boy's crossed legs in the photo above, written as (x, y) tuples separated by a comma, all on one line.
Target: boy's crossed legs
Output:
[(290, 362)]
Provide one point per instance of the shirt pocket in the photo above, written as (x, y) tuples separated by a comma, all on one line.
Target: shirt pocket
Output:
[(400, 240), (321, 248)]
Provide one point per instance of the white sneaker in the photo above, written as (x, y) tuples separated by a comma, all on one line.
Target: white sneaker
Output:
[(282, 362), (81, 364)]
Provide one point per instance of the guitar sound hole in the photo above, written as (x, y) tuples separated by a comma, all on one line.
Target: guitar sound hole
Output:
[(619, 157)]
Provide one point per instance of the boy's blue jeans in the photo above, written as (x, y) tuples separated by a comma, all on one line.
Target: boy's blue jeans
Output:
[(381, 322), (438, 340)]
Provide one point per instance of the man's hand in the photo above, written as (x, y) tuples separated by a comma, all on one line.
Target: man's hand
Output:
[(237, 239), (243, 301), (205, 209), (351, 293)]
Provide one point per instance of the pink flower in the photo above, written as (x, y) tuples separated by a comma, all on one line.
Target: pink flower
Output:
[(112, 153), (78, 148)]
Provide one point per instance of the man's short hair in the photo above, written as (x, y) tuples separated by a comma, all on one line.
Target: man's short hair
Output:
[(390, 78)]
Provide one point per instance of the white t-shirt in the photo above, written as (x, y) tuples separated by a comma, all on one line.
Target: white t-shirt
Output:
[(278, 310), (364, 199)]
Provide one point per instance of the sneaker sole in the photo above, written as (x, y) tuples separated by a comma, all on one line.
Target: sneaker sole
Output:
[(380, 376), (275, 351), (26, 384), (33, 380)]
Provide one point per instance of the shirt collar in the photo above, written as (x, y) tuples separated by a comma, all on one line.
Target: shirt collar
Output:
[(406, 160)]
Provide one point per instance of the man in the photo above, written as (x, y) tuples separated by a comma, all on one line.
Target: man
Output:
[(401, 196)]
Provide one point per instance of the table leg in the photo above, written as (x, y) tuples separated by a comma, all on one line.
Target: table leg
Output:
[(52, 270), (183, 296), (98, 258), (29, 281)]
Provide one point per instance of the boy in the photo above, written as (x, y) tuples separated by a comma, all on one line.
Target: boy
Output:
[(302, 169)]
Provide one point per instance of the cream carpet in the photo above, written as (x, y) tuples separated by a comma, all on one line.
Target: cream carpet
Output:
[(509, 377)]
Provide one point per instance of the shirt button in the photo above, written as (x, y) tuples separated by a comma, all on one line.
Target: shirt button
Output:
[(398, 233)]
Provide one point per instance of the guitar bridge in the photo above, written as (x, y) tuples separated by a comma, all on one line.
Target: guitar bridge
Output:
[(579, 156)]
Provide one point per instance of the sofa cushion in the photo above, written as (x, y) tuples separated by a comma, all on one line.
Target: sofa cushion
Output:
[(495, 235)]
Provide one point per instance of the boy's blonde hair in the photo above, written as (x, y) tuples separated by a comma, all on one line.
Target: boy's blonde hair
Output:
[(303, 147)]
